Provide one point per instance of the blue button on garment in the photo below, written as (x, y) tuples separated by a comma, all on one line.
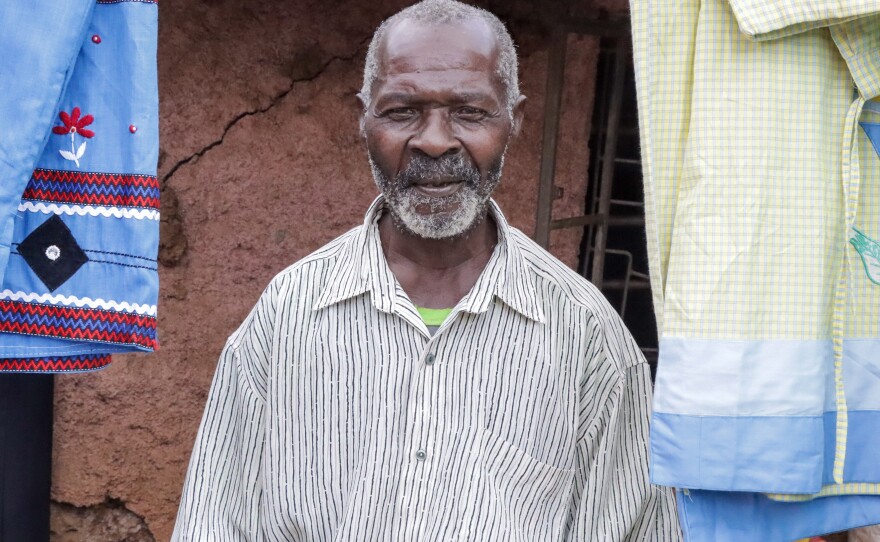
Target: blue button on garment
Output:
[(79, 196)]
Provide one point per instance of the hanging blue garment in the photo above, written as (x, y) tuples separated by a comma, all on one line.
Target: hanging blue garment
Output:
[(79, 196)]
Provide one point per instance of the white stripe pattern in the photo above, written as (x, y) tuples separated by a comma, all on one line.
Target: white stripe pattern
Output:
[(335, 415), (91, 210), (70, 301)]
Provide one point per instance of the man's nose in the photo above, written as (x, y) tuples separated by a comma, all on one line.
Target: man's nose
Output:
[(435, 137)]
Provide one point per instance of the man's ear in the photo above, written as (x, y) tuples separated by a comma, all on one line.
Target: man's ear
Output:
[(516, 115), (363, 115)]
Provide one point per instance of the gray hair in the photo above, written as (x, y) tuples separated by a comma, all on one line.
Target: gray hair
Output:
[(442, 12)]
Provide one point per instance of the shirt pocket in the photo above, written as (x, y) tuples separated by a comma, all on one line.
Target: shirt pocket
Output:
[(521, 497)]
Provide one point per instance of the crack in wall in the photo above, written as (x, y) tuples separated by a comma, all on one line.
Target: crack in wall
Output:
[(305, 66), (260, 110)]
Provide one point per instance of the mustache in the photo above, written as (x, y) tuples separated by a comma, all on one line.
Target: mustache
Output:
[(422, 169)]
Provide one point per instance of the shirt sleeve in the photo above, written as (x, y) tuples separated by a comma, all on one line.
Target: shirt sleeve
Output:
[(772, 19), (614, 500), (664, 47), (222, 491)]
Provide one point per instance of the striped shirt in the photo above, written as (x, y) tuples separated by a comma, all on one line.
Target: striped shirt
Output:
[(335, 415)]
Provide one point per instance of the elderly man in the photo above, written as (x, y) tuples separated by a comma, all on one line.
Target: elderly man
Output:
[(432, 375)]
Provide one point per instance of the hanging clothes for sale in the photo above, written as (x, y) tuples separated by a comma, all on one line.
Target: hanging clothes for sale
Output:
[(79, 197), (761, 160)]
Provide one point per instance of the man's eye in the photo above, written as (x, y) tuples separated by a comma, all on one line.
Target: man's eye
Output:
[(470, 113), (400, 113)]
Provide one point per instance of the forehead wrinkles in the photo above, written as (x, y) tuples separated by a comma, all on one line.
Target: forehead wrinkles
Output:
[(446, 85), (439, 62), (409, 46), (436, 75)]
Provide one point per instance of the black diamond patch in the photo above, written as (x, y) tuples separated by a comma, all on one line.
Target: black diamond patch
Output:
[(52, 253)]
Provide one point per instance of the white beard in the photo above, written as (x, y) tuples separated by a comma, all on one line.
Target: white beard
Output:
[(469, 204)]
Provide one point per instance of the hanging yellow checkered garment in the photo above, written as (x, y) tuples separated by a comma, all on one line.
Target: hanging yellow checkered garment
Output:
[(761, 155)]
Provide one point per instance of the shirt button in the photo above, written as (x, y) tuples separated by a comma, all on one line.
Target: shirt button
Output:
[(429, 359), (421, 455)]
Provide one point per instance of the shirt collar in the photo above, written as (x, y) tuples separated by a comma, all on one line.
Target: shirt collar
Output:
[(361, 267)]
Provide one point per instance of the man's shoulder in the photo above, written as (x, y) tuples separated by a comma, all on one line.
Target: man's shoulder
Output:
[(555, 277), (568, 293)]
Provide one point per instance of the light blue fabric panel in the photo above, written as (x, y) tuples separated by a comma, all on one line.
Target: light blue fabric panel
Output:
[(783, 453), (730, 435), (861, 372), (716, 516), (862, 447), (128, 244), (43, 347), (115, 81), (742, 378), (872, 129), (40, 42), (804, 450)]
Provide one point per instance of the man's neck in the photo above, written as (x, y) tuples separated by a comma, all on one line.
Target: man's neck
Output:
[(437, 273)]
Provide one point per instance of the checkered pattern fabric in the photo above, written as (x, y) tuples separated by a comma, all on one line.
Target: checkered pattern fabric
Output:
[(747, 166), (762, 191)]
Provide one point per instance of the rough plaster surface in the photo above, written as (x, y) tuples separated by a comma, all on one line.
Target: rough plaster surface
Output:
[(261, 164), (108, 521)]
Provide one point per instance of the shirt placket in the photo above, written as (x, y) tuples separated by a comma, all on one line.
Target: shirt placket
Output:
[(420, 444)]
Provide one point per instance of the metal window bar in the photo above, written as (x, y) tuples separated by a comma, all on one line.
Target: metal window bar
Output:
[(547, 190), (603, 211)]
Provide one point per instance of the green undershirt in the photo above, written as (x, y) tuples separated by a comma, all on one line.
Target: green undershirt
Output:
[(433, 317)]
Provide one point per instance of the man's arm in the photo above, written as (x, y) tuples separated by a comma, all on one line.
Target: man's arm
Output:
[(221, 495), (614, 500)]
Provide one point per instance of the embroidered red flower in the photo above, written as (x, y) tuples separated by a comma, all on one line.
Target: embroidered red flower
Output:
[(73, 124)]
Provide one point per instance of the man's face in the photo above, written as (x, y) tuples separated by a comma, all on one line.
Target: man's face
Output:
[(437, 126)]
